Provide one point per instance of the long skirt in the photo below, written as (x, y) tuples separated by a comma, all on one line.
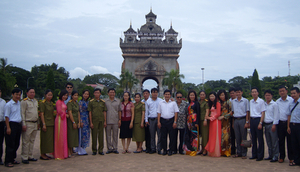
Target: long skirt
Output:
[(60, 139), (213, 145), (72, 135), (138, 133), (47, 140)]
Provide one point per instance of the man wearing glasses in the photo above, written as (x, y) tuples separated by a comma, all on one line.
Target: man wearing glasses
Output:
[(180, 122), (69, 88)]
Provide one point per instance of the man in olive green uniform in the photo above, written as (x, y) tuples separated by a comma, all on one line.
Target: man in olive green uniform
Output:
[(29, 112), (97, 114)]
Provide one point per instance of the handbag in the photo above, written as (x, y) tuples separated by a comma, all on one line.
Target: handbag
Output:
[(247, 143)]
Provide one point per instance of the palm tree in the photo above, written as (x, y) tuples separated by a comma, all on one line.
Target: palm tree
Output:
[(128, 80), (3, 64), (173, 80)]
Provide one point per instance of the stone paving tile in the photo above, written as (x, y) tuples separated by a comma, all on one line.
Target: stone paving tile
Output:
[(147, 162)]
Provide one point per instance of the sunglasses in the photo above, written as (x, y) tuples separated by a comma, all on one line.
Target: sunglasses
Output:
[(69, 87), (179, 97)]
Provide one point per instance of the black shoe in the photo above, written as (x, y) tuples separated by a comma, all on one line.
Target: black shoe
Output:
[(170, 153), (164, 153), (253, 158), (274, 160), (181, 152), (259, 159), (159, 152), (94, 153), (144, 150), (174, 152), (25, 161), (152, 152), (269, 158), (101, 153), (1, 163), (116, 152), (108, 152), (32, 159), (147, 151)]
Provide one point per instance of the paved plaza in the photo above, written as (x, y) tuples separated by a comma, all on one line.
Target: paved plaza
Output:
[(146, 162)]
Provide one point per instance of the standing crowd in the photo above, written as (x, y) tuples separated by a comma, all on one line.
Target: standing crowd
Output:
[(221, 123)]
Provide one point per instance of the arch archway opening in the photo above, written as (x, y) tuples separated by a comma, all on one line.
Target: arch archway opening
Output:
[(149, 83)]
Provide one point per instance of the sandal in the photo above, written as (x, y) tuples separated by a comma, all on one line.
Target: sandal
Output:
[(43, 158), (292, 164), (137, 151), (16, 162), (124, 152), (9, 165), (127, 151)]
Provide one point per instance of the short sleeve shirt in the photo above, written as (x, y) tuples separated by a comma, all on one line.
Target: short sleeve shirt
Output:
[(257, 107), (74, 107), (48, 109), (97, 107), (126, 111)]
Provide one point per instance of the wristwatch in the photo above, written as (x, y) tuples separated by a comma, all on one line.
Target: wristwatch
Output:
[(247, 122), (260, 122), (175, 122), (73, 122)]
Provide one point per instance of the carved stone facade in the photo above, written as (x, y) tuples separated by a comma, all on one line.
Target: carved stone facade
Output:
[(150, 52)]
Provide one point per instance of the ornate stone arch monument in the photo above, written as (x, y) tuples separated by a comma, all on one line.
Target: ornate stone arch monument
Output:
[(149, 52)]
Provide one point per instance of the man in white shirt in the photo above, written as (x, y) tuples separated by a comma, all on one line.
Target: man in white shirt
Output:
[(151, 120), (270, 122), (284, 110), (2, 125), (13, 119), (167, 113), (232, 94), (294, 125), (146, 95), (257, 114), (240, 110)]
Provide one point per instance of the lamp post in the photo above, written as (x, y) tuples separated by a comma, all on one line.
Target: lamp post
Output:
[(28, 80), (202, 77)]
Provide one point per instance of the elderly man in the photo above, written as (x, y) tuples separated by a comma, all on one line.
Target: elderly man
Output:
[(29, 112)]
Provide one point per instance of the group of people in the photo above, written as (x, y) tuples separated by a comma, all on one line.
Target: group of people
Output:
[(219, 121)]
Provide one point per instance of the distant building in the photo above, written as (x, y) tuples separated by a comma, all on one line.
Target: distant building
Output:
[(297, 85), (97, 85), (150, 52)]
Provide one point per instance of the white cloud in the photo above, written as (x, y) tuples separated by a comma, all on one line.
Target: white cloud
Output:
[(98, 69), (78, 72)]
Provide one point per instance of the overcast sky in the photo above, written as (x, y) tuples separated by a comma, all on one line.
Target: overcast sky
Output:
[(226, 37)]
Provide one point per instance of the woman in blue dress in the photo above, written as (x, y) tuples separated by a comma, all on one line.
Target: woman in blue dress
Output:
[(84, 131)]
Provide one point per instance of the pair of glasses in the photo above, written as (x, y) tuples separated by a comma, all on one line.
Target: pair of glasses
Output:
[(179, 97), (69, 87)]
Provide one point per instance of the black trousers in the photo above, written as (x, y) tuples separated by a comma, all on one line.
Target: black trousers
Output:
[(295, 134), (2, 125), (181, 137), (282, 134), (232, 138), (257, 135), (12, 141), (147, 138), (167, 128)]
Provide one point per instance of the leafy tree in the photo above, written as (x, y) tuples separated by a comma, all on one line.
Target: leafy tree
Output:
[(50, 83), (256, 82), (108, 80), (127, 80), (189, 86), (4, 65), (173, 80), (7, 80), (40, 77), (216, 85), (21, 75)]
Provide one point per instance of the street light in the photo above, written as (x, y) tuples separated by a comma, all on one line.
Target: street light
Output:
[(28, 80), (202, 77)]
